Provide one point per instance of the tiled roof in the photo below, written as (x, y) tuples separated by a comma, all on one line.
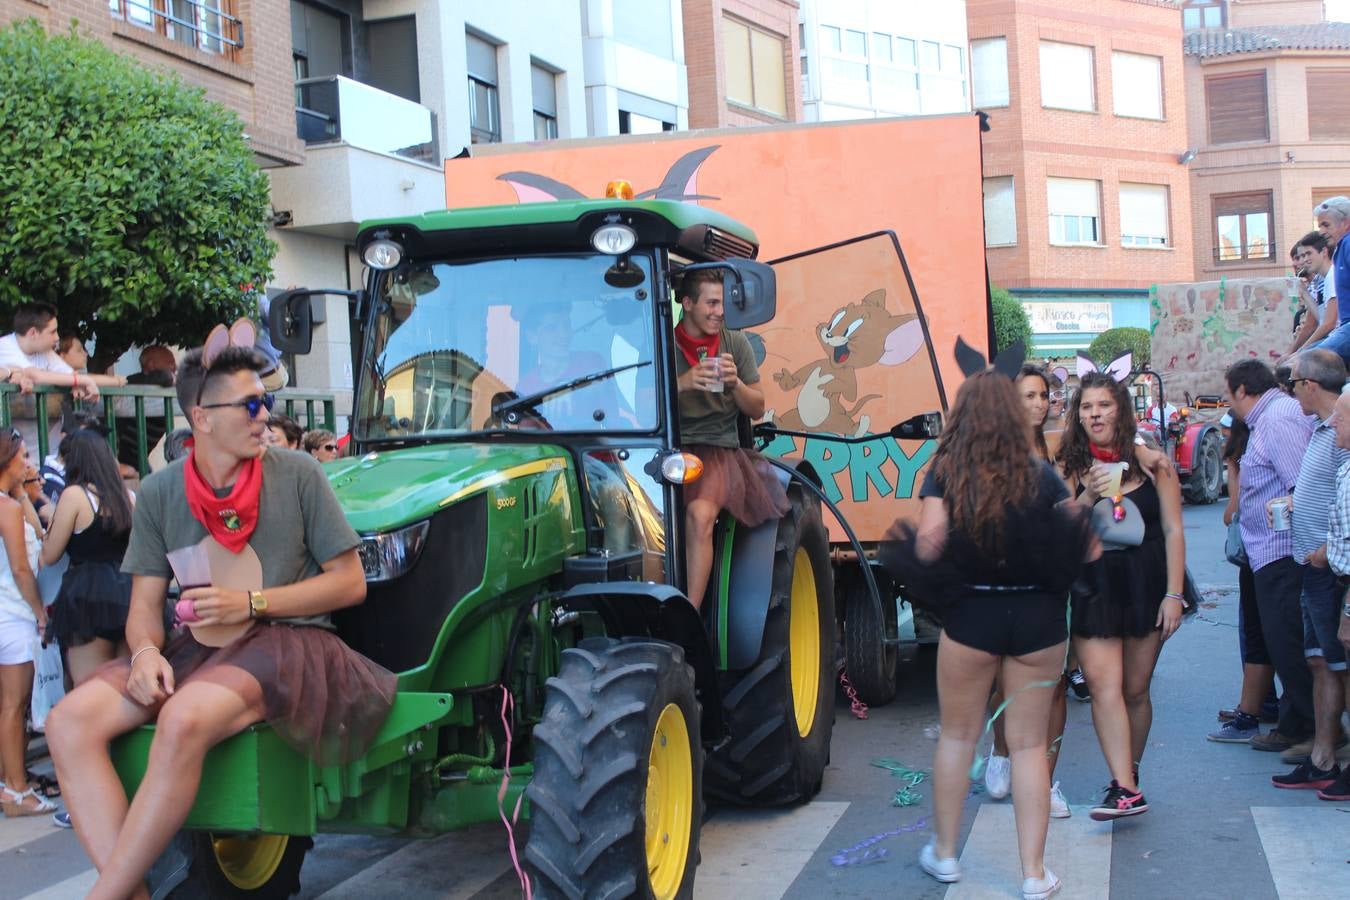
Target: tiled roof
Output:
[(1211, 42)]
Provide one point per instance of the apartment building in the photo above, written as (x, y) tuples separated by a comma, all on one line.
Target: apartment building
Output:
[(1087, 202), (635, 74), (1268, 88), (863, 59), (742, 62)]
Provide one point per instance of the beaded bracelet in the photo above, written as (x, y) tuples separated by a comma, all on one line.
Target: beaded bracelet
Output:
[(142, 650), (1170, 595)]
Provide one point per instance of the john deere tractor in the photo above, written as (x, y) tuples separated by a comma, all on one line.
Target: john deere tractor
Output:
[(516, 476)]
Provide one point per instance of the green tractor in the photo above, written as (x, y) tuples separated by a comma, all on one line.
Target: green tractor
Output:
[(516, 478)]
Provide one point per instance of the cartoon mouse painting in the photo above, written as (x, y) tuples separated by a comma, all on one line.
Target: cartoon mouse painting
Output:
[(857, 336)]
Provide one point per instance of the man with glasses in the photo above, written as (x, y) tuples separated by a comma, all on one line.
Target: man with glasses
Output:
[(279, 557), (1312, 264), (1333, 221)]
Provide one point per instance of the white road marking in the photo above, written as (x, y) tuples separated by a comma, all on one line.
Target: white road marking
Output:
[(1307, 849), (757, 854), (18, 831), (1078, 850), (72, 888), (479, 854)]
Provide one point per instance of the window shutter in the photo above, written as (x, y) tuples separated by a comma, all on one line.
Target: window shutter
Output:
[(1143, 210), (1328, 104), (1240, 204), (1000, 212), (1237, 108), (1072, 196), (482, 59), (989, 69), (1066, 76), (1136, 85)]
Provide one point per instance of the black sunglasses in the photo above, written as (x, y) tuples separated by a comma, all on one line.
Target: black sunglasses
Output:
[(252, 405)]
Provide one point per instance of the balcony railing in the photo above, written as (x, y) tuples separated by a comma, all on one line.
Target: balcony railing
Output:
[(204, 24), (338, 109), (137, 404)]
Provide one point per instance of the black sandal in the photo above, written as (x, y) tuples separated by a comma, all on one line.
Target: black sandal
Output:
[(44, 785)]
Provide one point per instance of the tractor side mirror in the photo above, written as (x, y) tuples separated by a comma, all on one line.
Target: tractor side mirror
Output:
[(291, 318), (750, 291), (924, 426)]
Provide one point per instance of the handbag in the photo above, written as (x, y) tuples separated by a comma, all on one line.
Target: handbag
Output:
[(1232, 545), (49, 681)]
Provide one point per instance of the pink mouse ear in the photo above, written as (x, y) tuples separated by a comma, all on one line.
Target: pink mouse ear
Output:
[(216, 341), (243, 333)]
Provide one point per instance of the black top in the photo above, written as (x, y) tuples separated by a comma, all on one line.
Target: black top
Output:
[(97, 543)]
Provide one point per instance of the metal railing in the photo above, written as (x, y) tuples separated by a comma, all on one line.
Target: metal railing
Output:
[(204, 24), (162, 403)]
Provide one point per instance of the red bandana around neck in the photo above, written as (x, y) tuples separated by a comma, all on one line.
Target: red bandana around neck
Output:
[(230, 519), (696, 349), (1103, 454)]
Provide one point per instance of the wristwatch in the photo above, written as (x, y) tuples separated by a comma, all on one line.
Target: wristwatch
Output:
[(257, 605)]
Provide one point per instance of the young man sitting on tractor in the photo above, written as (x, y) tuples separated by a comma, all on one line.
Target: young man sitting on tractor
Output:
[(718, 383)]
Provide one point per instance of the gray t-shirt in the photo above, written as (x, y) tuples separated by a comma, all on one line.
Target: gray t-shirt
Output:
[(300, 523)]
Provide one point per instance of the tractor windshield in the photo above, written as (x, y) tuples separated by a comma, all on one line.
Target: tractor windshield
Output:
[(453, 344)]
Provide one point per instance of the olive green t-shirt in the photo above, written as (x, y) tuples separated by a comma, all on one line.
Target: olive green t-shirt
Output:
[(300, 523), (709, 418)]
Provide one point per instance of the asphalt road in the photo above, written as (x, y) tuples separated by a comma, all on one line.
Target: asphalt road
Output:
[(1216, 828)]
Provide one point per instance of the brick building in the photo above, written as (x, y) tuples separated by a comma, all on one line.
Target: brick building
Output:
[(1268, 88), (741, 57), (1086, 202), (238, 51)]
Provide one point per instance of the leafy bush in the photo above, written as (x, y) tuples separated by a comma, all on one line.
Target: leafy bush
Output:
[(1011, 322), (1115, 341), (132, 203)]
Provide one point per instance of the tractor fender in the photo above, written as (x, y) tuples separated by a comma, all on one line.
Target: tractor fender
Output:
[(647, 609), (1195, 433)]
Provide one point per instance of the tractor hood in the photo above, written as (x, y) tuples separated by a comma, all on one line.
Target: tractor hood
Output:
[(384, 490)]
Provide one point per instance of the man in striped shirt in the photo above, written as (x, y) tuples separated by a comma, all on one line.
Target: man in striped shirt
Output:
[(1269, 469), (1319, 376)]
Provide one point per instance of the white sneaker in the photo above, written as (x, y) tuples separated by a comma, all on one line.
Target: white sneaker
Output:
[(944, 870), (1059, 807), (998, 776), (1040, 888)]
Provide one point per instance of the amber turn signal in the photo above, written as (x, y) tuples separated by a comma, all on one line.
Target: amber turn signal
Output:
[(681, 468), (619, 190)]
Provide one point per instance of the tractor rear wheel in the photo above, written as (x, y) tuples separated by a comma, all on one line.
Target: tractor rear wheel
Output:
[(617, 794), (257, 867), (780, 710), (1206, 481), (872, 664)]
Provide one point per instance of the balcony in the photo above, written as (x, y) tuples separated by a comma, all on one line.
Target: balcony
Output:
[(336, 109)]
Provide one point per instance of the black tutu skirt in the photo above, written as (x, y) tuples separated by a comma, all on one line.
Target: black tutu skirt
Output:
[(1120, 594), (92, 603)]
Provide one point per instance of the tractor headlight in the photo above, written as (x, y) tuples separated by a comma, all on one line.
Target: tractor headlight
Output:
[(383, 254), (614, 240), (385, 557)]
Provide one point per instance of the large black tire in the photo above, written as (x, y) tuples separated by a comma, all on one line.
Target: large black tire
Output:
[(232, 867), (620, 724), (770, 758), (872, 665), (1206, 481)]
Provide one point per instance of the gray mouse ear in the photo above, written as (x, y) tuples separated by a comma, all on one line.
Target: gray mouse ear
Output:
[(1009, 360), (969, 359)]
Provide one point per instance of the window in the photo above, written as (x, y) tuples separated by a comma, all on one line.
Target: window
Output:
[(1066, 77), (855, 43), (393, 56), (953, 60), (485, 117), (636, 123), (1074, 205), (1328, 104), (1202, 14), (830, 37), (208, 25), (930, 55), (905, 52), (1143, 215), (881, 47), (1000, 212), (1136, 85), (1236, 107), (754, 66), (989, 72), (1242, 227), (544, 88)]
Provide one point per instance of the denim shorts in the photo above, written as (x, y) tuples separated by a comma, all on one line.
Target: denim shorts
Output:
[(1321, 603), (1338, 341)]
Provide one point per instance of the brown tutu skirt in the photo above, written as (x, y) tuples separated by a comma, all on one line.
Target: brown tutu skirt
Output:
[(739, 481), (319, 695)]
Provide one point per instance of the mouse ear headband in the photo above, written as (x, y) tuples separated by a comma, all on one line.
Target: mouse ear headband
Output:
[(243, 333), (1008, 362), (1118, 368)]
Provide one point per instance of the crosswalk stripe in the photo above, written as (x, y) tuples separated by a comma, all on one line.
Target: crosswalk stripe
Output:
[(757, 854), (479, 857), (1307, 849), (71, 889), (1078, 850), (19, 831)]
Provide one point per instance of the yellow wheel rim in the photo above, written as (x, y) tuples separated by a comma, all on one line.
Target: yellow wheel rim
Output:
[(804, 643), (670, 803), (248, 863)]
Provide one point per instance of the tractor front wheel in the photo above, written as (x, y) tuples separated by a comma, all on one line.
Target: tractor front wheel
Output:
[(1206, 481), (257, 867), (872, 664), (617, 795)]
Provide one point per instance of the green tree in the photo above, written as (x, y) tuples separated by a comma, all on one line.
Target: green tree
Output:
[(1011, 322), (1115, 341), (131, 202)]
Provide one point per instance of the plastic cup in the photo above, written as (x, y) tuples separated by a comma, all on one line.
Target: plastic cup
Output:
[(1117, 472), (716, 387)]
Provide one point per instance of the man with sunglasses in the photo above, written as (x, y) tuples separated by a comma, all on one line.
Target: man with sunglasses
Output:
[(282, 557)]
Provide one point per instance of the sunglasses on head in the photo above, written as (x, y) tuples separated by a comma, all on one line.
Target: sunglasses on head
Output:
[(252, 405)]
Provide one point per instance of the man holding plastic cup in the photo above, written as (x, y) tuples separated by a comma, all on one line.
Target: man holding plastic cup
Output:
[(718, 383)]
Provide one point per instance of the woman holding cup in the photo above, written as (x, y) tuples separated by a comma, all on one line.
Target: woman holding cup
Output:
[(1133, 598)]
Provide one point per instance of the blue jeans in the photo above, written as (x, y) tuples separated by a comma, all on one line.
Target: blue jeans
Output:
[(1338, 341)]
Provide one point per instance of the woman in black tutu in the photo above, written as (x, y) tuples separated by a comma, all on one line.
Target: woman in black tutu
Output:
[(1133, 599), (92, 524), (994, 552)]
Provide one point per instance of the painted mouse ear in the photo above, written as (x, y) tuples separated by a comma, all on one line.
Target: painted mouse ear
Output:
[(243, 333), (1009, 360), (1085, 364), (969, 359), (1121, 367), (216, 341)]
